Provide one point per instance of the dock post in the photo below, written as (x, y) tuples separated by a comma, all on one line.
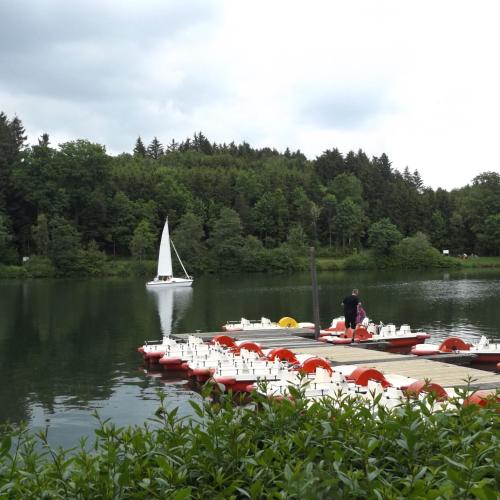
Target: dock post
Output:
[(315, 293)]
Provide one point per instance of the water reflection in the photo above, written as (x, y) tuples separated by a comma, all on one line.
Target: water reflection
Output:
[(170, 301), (68, 347)]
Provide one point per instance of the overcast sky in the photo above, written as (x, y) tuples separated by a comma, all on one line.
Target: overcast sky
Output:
[(416, 80)]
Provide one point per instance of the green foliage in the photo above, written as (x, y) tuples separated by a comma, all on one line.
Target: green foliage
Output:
[(8, 254), (437, 231), (296, 241), (347, 186), (143, 241), (8, 272), (333, 448), (333, 198), (41, 235), (187, 238), (39, 267), (383, 235), (360, 261), (489, 237), (227, 241), (349, 223), (64, 248), (92, 260), (417, 252)]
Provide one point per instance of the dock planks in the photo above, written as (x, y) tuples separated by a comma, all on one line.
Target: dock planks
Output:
[(441, 372)]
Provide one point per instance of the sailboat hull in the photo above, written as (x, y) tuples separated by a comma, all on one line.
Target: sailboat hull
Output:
[(174, 282)]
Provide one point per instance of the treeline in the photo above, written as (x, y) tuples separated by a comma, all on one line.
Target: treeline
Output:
[(229, 206)]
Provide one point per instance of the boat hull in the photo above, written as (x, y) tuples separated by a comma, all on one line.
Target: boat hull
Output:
[(405, 342), (486, 357), (174, 283)]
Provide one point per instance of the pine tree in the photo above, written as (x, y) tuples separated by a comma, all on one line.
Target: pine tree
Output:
[(139, 149), (155, 149), (43, 141), (18, 134), (173, 146)]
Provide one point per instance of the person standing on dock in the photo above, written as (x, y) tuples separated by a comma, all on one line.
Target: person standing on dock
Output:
[(350, 304)]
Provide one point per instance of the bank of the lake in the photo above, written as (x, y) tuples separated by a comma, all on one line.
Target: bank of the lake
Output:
[(126, 268)]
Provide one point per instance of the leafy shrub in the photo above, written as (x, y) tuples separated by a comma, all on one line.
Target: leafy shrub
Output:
[(416, 252), (326, 264), (146, 268), (11, 271), (92, 261), (331, 448), (39, 267), (360, 261)]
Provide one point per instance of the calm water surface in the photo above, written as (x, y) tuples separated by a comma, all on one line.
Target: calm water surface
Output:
[(68, 348)]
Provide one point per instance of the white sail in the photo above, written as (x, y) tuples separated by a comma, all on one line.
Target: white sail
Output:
[(165, 258)]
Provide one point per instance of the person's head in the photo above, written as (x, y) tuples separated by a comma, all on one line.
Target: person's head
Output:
[(355, 291)]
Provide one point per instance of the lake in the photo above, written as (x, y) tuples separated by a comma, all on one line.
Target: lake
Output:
[(68, 347)]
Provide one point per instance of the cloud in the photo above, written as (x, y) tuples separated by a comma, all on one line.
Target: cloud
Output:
[(417, 82)]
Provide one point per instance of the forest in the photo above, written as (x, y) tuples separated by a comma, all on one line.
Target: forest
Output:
[(74, 209)]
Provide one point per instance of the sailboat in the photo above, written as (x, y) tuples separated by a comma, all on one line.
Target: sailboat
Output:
[(164, 277)]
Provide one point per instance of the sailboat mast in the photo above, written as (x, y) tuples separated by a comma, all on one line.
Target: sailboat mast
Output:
[(176, 253)]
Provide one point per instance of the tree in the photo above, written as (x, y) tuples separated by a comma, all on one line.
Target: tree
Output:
[(297, 240), (187, 238), (457, 233), (43, 141), (64, 248), (82, 167), (121, 222), (172, 146), (226, 241), (347, 186), (417, 252), (155, 149), (12, 137), (270, 216), (302, 212), (139, 148), (143, 240), (349, 223), (489, 239), (41, 236), (5, 239), (383, 236), (437, 230), (329, 165), (328, 210)]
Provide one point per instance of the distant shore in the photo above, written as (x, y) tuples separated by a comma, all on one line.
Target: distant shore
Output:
[(147, 268)]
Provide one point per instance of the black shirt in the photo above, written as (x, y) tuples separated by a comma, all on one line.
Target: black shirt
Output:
[(350, 305)]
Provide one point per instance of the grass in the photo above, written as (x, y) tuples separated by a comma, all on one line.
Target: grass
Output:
[(478, 262)]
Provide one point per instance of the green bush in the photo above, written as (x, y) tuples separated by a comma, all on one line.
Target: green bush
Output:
[(360, 261), (144, 268), (329, 264), (331, 448), (416, 252), (92, 261), (12, 272), (39, 267)]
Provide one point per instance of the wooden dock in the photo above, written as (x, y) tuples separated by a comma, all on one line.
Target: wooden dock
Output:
[(434, 368)]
